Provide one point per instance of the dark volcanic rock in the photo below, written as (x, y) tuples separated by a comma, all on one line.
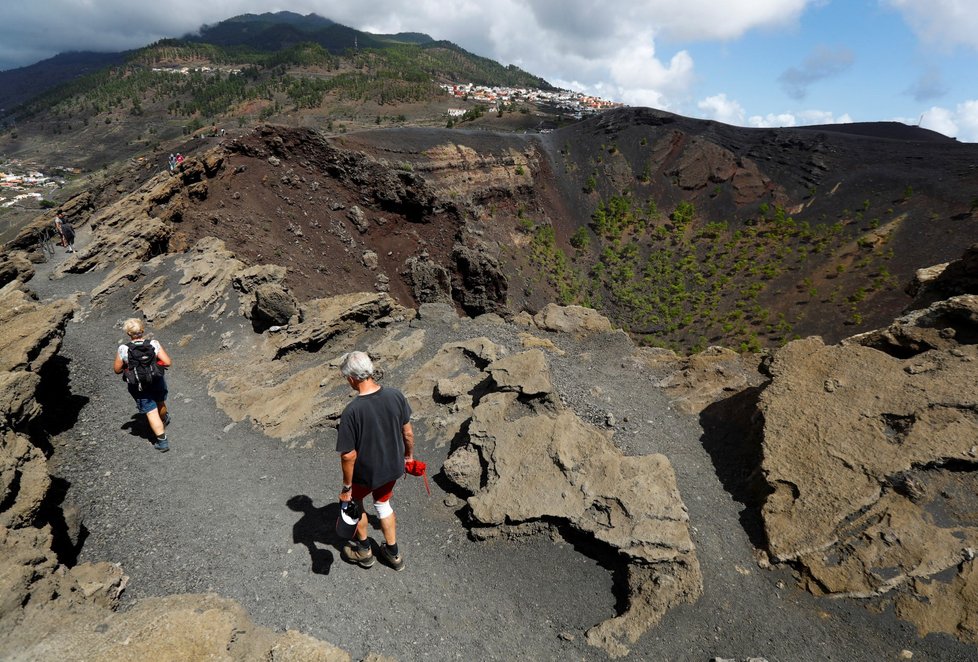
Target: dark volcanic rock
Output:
[(274, 305), (429, 280), (481, 286)]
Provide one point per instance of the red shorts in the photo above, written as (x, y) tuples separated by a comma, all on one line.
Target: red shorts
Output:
[(382, 493)]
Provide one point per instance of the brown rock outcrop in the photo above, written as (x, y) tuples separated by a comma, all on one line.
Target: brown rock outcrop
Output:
[(430, 281), (580, 480), (704, 378), (702, 163), (288, 388), (179, 627), (571, 319), (206, 275), (481, 286), (15, 265), (30, 576), (871, 448)]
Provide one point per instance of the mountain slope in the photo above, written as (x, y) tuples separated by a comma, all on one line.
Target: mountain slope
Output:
[(24, 83)]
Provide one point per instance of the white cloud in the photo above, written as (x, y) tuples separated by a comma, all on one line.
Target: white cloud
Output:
[(940, 120), (960, 123), (720, 108), (606, 45), (640, 76), (967, 113), (801, 118), (772, 120), (940, 22)]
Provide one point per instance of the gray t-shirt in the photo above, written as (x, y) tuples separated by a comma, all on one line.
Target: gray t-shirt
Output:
[(372, 426)]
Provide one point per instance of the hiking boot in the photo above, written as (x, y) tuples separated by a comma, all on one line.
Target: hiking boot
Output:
[(162, 445), (396, 562), (166, 419), (353, 553)]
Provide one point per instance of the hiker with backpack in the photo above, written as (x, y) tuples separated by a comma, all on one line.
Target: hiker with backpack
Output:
[(376, 442), (68, 236), (141, 363)]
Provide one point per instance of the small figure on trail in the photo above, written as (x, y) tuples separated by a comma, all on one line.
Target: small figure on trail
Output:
[(58, 225), (172, 162), (68, 235), (141, 363), (179, 158), (375, 440)]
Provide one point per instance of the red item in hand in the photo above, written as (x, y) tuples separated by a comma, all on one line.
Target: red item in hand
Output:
[(417, 468)]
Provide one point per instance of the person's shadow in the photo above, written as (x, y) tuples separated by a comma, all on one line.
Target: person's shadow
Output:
[(138, 426), (316, 529)]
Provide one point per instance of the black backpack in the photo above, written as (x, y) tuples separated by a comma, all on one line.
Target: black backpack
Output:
[(142, 369)]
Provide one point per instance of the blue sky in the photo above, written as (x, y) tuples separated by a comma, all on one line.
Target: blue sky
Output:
[(859, 61), (745, 62)]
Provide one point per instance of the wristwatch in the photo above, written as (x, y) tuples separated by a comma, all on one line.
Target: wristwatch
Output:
[(346, 488)]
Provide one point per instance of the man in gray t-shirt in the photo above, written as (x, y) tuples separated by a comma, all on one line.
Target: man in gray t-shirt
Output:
[(375, 440)]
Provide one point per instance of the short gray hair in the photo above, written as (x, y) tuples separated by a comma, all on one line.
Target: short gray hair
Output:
[(357, 365)]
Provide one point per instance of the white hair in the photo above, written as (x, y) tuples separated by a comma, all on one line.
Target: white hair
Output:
[(357, 365)]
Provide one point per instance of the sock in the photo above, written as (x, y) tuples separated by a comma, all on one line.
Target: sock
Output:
[(392, 549), (162, 437)]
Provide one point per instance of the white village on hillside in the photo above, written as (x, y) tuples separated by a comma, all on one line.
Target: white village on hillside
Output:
[(22, 184), (577, 104)]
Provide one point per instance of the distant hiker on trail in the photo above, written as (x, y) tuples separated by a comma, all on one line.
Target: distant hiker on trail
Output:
[(68, 236), (141, 364), (179, 158), (375, 440), (172, 162), (58, 224)]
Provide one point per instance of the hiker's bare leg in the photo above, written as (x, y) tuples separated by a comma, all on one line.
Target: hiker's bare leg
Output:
[(155, 422), (362, 525), (388, 526)]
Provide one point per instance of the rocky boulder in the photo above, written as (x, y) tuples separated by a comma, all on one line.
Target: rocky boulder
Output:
[(287, 388), (571, 319), (178, 627), (481, 286), (15, 265), (274, 305), (946, 280), (205, 273), (697, 381), (871, 450), (580, 480), (430, 282)]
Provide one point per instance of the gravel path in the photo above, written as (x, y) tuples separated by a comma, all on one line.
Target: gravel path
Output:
[(231, 511)]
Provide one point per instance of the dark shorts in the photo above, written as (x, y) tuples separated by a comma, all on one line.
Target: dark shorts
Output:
[(382, 493), (150, 397)]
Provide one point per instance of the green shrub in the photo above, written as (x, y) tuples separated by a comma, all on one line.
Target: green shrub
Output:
[(581, 239)]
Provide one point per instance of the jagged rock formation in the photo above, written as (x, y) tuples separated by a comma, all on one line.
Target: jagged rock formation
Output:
[(571, 319), (701, 379), (528, 464), (871, 448)]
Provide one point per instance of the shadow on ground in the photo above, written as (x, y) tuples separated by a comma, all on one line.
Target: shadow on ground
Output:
[(316, 530), (732, 433)]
